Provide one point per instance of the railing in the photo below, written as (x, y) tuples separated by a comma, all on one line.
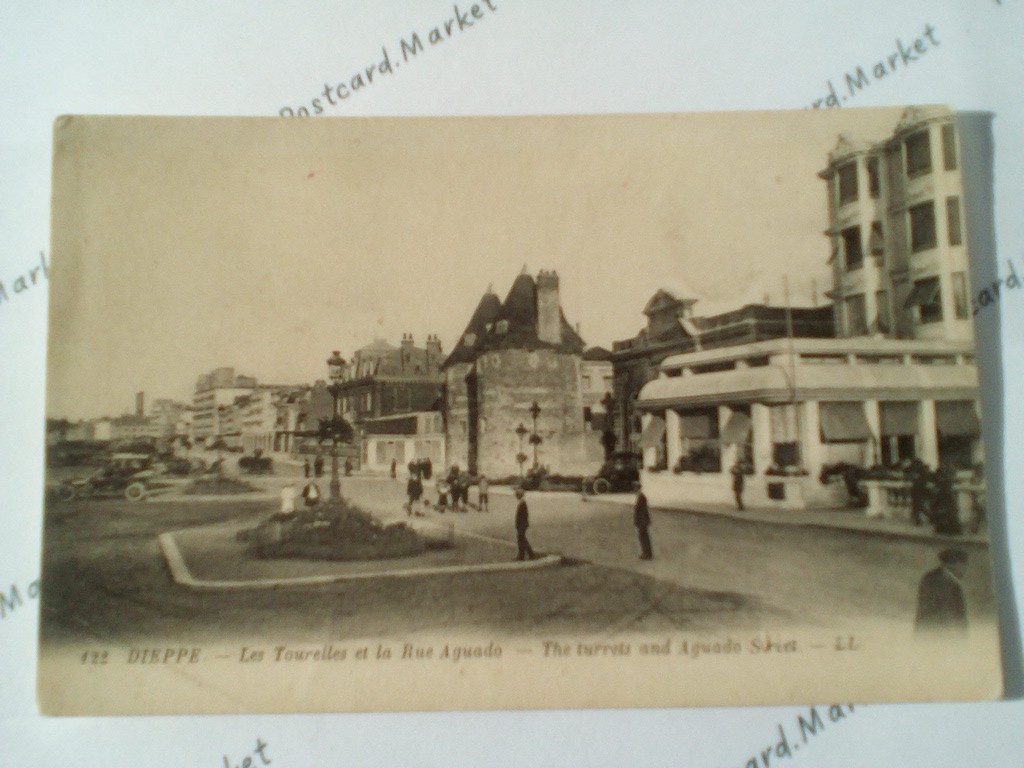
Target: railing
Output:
[(890, 499)]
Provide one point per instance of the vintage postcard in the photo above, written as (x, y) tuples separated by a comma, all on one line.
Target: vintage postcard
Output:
[(534, 412)]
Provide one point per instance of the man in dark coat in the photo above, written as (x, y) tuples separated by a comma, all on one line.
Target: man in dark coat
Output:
[(917, 474), (940, 596), (522, 523), (642, 521), (737, 484)]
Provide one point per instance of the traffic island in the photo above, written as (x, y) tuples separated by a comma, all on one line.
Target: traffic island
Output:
[(212, 558)]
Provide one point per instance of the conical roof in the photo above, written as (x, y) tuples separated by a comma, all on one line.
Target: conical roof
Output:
[(484, 316)]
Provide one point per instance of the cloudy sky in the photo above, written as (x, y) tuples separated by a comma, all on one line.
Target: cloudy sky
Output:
[(180, 245)]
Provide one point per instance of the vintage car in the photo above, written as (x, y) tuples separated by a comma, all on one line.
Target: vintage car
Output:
[(620, 472), (131, 475)]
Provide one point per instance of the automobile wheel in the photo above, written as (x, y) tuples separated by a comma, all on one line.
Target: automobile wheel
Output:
[(135, 491), (601, 485), (66, 493)]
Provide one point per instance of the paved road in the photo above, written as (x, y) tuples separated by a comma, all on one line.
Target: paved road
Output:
[(811, 575)]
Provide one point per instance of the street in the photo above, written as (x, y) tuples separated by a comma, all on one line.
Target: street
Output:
[(104, 577)]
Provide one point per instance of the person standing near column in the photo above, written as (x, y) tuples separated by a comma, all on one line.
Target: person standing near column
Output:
[(737, 484), (642, 521), (522, 523)]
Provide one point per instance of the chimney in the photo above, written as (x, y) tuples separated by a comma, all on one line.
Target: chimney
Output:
[(549, 310), (407, 341), (140, 403), (433, 350)]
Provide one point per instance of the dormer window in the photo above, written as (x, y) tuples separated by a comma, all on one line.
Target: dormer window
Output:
[(469, 339), (502, 326)]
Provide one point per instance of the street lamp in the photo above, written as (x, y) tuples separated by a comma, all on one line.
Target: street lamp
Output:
[(521, 431), (535, 439), (335, 372)]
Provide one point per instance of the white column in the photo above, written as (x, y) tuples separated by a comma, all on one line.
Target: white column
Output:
[(810, 437), (673, 436), (928, 434), (729, 451), (649, 454), (761, 436), (873, 412)]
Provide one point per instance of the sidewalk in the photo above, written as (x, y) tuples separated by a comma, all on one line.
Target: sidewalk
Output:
[(842, 519)]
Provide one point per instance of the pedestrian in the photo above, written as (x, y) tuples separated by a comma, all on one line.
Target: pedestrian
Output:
[(737, 484), (414, 489), (940, 595), (917, 474), (348, 467), (945, 512), (482, 488), (642, 521), (306, 468), (318, 466), (522, 523), (311, 493), (288, 494), (442, 495), (394, 469)]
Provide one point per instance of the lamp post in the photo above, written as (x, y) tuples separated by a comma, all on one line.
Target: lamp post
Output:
[(521, 431), (535, 439), (335, 372)]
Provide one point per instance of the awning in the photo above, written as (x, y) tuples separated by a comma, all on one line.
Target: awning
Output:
[(697, 425), (925, 292), (957, 419), (737, 429), (844, 421), (899, 419), (653, 433)]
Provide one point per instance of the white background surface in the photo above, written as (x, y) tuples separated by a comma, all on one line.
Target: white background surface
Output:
[(529, 56)]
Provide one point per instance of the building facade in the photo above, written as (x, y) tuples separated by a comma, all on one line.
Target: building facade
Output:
[(401, 439), (213, 400), (900, 381), (382, 380), (673, 328), (517, 372)]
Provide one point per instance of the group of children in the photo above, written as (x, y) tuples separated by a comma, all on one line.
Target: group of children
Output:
[(454, 487)]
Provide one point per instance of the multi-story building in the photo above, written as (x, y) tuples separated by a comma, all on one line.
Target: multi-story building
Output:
[(901, 380), (596, 385), (897, 226), (382, 380), (673, 328), (214, 396), (517, 371), (401, 439)]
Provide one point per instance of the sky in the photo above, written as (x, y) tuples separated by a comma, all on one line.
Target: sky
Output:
[(183, 244)]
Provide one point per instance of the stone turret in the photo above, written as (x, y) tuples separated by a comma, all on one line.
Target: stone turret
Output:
[(549, 312)]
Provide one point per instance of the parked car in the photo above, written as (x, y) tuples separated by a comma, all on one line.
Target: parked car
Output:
[(619, 473), (130, 475)]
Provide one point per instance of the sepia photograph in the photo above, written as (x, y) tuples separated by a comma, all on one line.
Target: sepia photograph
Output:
[(379, 414)]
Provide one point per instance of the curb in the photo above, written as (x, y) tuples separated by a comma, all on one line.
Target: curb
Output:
[(182, 576)]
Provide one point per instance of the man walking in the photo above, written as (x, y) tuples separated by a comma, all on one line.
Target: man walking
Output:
[(522, 523), (642, 521), (482, 488), (737, 484)]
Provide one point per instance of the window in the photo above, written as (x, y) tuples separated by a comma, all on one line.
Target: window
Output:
[(847, 182), (874, 184), (953, 220), (851, 248), (856, 316), (960, 295), (919, 154), (922, 227), (949, 147), (927, 295)]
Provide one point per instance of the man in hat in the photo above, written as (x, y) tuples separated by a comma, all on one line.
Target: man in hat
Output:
[(522, 523), (940, 595), (642, 521)]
